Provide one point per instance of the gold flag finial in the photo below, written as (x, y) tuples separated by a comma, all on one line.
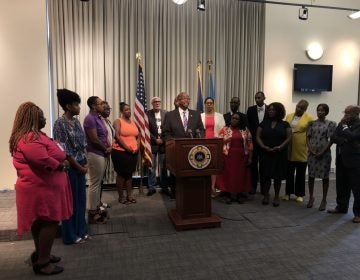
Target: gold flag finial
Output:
[(209, 63), (138, 57)]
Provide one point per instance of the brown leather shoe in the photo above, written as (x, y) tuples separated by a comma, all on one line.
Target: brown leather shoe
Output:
[(336, 210), (356, 220)]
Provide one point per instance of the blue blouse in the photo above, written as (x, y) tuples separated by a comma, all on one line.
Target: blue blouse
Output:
[(71, 137)]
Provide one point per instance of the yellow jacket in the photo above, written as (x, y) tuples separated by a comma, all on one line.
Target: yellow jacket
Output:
[(298, 150)]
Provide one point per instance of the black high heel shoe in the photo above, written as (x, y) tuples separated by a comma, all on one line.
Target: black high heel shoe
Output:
[(35, 256), (38, 269)]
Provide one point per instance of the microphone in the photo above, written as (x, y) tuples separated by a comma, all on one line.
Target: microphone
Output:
[(198, 133), (190, 133)]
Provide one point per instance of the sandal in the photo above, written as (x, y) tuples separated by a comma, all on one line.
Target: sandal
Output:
[(37, 268), (105, 205), (97, 219)]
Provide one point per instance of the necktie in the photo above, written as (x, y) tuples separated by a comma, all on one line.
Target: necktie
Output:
[(260, 109), (185, 120)]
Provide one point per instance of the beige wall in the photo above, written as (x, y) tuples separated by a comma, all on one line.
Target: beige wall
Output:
[(286, 40), (23, 69)]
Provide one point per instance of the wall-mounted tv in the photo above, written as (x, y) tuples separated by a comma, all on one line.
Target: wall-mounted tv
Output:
[(312, 77)]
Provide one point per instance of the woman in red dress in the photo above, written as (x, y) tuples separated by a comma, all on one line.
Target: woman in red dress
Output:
[(237, 149), (43, 194)]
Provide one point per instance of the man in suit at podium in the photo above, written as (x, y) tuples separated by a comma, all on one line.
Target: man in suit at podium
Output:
[(182, 122), (234, 107), (255, 115), (156, 118)]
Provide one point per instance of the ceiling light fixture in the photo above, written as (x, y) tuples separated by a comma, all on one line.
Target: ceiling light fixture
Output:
[(303, 13), (179, 2), (201, 5), (354, 15)]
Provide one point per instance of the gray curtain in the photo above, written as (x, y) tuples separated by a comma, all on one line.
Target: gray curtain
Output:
[(93, 48)]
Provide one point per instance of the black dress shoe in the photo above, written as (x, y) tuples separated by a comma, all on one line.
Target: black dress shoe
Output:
[(337, 210), (151, 192), (38, 269), (165, 192)]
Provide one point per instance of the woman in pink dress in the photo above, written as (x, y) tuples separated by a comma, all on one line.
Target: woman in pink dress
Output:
[(213, 122), (237, 149), (43, 194)]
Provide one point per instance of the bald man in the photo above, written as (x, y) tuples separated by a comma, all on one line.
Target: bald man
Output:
[(347, 138)]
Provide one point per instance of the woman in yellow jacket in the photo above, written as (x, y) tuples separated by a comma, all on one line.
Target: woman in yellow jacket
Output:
[(298, 152)]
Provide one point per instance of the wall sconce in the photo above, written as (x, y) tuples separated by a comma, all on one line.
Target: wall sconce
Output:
[(201, 5), (314, 51)]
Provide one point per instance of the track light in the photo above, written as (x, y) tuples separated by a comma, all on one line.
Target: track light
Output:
[(354, 15), (303, 13), (201, 5), (179, 2)]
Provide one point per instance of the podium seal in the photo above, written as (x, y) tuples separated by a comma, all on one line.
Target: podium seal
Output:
[(199, 157)]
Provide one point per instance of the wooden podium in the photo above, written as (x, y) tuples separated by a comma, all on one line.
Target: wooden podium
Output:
[(193, 161)]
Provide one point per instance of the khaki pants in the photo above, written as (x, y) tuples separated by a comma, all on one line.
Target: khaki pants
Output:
[(97, 165)]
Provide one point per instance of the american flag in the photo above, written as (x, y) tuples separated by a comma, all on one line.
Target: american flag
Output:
[(141, 118)]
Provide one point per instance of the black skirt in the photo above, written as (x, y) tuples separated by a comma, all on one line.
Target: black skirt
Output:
[(124, 162)]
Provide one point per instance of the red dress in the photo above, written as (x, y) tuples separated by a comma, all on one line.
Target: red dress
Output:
[(236, 175), (41, 191)]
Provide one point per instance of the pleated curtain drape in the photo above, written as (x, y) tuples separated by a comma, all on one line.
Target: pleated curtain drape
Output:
[(94, 46)]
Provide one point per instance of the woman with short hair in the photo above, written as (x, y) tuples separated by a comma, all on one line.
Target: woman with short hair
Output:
[(213, 122), (125, 151), (237, 149), (319, 160), (273, 136)]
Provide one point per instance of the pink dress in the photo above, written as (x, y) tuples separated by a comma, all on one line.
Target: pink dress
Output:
[(209, 126), (41, 191), (236, 175)]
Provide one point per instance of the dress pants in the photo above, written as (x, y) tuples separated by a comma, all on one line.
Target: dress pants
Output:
[(256, 172), (97, 165), (76, 227), (297, 188), (158, 161), (347, 180)]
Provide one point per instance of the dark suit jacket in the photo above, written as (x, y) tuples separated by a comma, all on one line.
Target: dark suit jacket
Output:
[(155, 148), (253, 119), (348, 144), (227, 118), (173, 126)]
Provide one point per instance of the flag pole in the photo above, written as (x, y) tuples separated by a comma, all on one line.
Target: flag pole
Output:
[(140, 159)]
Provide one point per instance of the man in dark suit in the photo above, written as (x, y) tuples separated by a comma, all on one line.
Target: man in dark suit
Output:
[(156, 118), (234, 106), (255, 115), (347, 138), (182, 122)]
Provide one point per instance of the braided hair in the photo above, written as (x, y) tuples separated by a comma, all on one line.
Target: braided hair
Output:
[(26, 120)]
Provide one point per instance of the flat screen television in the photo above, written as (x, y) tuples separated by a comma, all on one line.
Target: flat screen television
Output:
[(312, 77)]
